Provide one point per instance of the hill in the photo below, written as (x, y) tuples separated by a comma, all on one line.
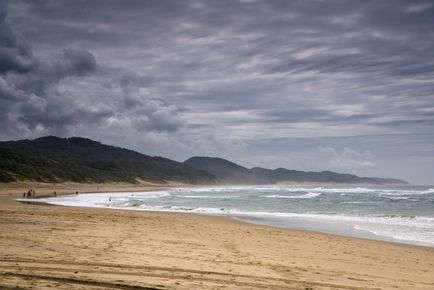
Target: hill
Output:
[(19, 167), (226, 171), (229, 172), (80, 159), (54, 159)]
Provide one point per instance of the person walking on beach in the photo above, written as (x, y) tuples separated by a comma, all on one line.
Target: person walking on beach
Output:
[(55, 194)]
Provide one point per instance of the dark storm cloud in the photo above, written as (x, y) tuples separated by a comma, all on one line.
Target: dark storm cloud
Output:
[(221, 75), (15, 54), (36, 96), (44, 74)]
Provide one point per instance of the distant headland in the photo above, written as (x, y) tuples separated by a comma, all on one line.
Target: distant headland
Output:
[(52, 159)]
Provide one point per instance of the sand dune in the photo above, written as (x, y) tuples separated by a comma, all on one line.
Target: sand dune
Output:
[(50, 247)]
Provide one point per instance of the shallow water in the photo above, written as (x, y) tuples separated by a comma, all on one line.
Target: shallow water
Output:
[(400, 213)]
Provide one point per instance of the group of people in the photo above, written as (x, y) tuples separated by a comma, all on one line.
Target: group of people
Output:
[(32, 194), (29, 194)]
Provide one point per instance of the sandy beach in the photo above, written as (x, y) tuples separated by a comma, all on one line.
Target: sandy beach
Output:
[(53, 247)]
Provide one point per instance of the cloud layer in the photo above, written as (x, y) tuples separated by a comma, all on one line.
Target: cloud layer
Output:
[(266, 83), (62, 93)]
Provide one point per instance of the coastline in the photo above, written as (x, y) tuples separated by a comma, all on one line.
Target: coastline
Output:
[(336, 224), (44, 245)]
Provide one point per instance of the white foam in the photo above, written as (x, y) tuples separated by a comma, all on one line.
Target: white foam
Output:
[(102, 199), (406, 192), (405, 228), (307, 195), (359, 202), (418, 230), (345, 190), (399, 232), (274, 188), (429, 191), (398, 197), (283, 189), (207, 196)]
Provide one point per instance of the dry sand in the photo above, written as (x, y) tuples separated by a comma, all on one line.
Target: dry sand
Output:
[(51, 247)]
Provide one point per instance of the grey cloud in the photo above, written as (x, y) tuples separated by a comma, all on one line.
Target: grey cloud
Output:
[(37, 98), (9, 93), (15, 54), (249, 71), (156, 115), (28, 93), (47, 73), (76, 62), (346, 158)]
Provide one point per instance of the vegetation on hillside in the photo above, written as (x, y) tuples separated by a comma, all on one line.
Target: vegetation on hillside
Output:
[(19, 167), (53, 159)]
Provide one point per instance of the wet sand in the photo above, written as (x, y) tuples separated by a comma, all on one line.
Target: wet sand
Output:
[(53, 247)]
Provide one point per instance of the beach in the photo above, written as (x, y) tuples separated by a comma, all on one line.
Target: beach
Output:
[(55, 247)]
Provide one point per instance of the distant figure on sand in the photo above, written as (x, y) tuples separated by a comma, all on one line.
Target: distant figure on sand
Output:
[(76, 193), (110, 198), (55, 194), (24, 195)]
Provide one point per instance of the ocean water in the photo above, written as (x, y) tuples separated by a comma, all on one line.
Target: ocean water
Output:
[(402, 213)]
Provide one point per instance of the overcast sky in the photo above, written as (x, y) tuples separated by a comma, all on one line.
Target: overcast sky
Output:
[(310, 85)]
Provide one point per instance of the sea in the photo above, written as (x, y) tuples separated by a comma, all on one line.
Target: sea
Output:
[(403, 214)]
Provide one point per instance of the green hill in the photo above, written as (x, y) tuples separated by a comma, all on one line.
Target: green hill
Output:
[(78, 159), (18, 167), (54, 159)]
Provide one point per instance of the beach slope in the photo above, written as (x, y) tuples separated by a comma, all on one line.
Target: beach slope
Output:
[(51, 247)]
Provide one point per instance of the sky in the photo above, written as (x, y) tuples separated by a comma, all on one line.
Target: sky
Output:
[(313, 85)]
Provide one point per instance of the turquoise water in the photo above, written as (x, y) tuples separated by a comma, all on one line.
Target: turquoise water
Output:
[(401, 214)]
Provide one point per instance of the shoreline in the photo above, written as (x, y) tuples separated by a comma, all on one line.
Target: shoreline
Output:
[(233, 218), (368, 236), (356, 233), (238, 219), (68, 247), (317, 224)]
